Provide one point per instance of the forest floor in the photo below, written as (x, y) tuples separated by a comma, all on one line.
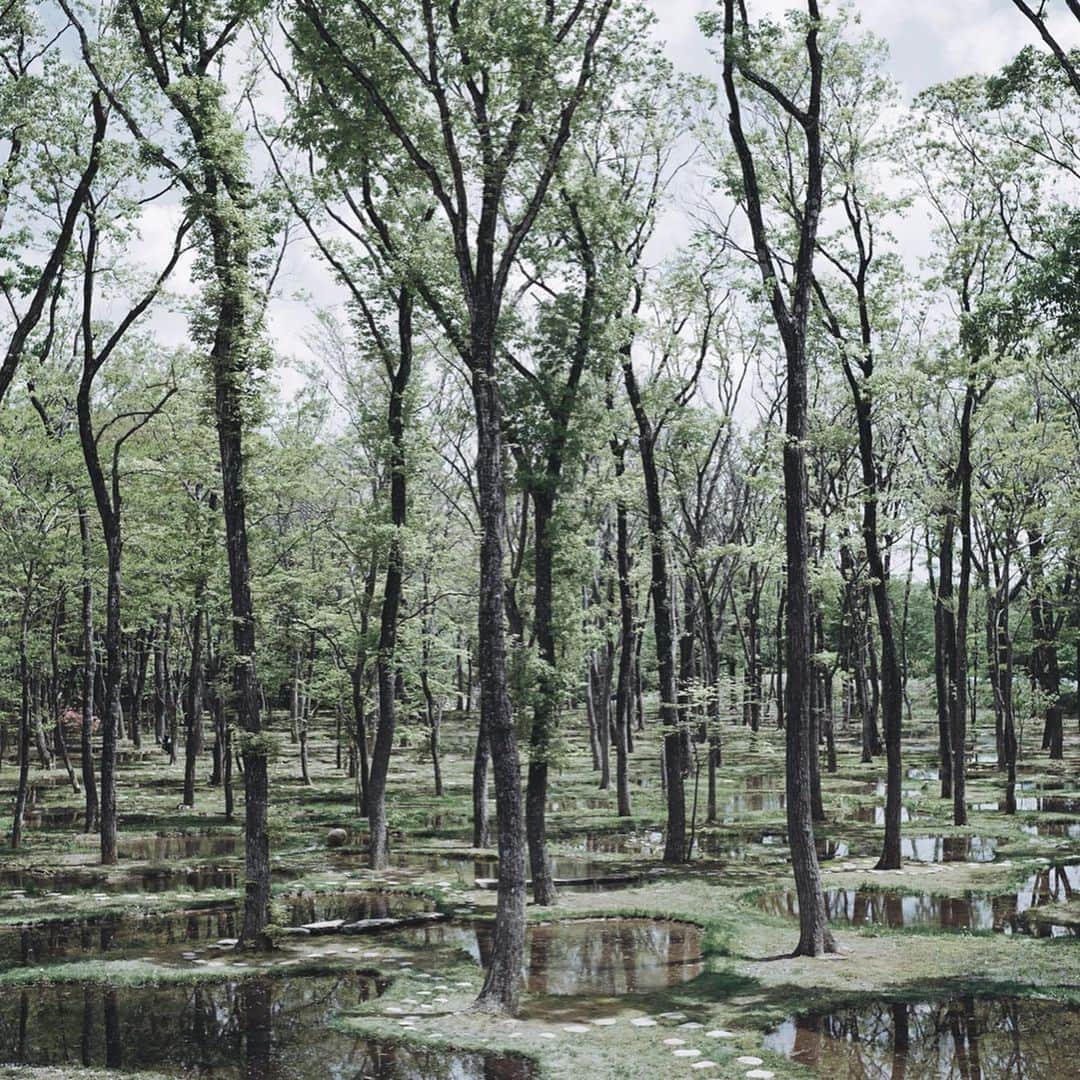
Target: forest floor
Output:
[(970, 954)]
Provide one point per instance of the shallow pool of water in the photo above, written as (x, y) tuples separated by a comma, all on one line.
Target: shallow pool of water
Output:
[(938, 849), (963, 1037), (258, 1028), (1010, 912), (586, 956)]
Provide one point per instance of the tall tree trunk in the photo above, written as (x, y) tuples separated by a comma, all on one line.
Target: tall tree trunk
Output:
[(624, 683), (542, 733), (378, 834), (944, 642), (663, 625), (502, 985), (24, 723), (193, 706), (1045, 671), (86, 729)]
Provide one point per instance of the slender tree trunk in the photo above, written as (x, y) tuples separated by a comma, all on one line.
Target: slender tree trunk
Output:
[(663, 626), (502, 985), (624, 684), (378, 833), (86, 729), (24, 724), (193, 706), (542, 734)]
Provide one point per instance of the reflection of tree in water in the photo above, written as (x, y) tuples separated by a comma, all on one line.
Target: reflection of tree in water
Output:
[(966, 1038), (205, 1027)]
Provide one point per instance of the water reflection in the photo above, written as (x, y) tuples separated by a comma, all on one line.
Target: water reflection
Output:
[(587, 956), (1007, 913), (258, 1028), (937, 849), (966, 1037)]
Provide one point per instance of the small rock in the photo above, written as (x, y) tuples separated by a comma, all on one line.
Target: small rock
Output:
[(643, 1021), (760, 1074), (748, 1059), (337, 838), (706, 1064), (672, 1016), (606, 1021), (575, 1029), (688, 1053), (674, 1042), (719, 1033), (690, 1025)]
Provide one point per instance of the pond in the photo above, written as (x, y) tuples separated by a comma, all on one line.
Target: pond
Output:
[(1009, 912), (962, 1037), (937, 849), (256, 1028), (189, 932), (586, 956)]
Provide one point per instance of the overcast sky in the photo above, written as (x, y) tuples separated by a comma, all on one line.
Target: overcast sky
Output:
[(929, 41)]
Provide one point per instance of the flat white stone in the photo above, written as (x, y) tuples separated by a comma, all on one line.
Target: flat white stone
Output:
[(547, 1034), (575, 1029), (672, 1016), (606, 1021), (690, 1025), (688, 1053), (748, 1059), (643, 1021), (705, 1065), (760, 1074), (674, 1042), (719, 1033)]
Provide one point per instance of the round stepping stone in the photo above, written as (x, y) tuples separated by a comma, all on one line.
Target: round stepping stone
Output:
[(674, 1042), (643, 1021), (688, 1053), (706, 1065), (719, 1033), (748, 1059), (575, 1029), (547, 1034), (690, 1025), (760, 1074), (672, 1016), (606, 1021)]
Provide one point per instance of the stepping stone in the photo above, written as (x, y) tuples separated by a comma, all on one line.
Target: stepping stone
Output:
[(689, 1053), (707, 1065), (760, 1074), (719, 1033), (393, 1009), (672, 1016), (690, 1025), (547, 1034), (575, 1029), (674, 1042), (643, 1021), (748, 1059)]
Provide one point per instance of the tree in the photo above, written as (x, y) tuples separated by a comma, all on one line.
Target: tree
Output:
[(485, 132), (789, 303)]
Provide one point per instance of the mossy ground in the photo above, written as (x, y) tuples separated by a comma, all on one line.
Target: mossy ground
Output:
[(748, 982)]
